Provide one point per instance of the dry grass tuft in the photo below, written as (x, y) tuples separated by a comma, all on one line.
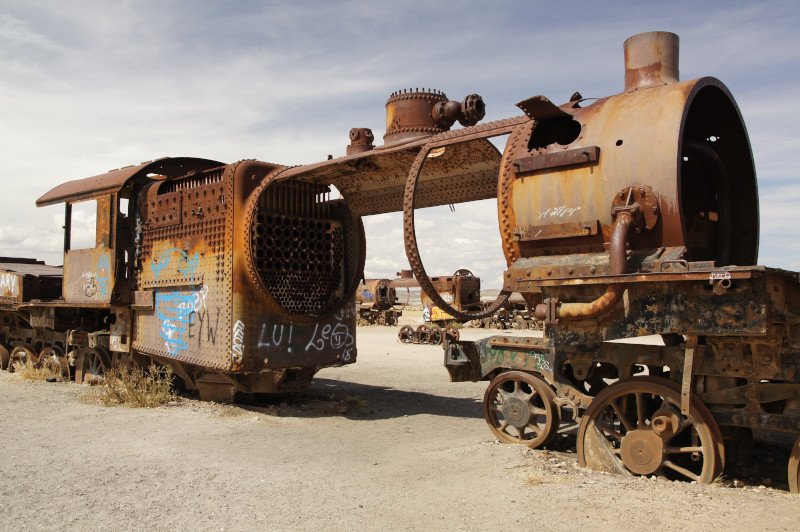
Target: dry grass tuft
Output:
[(228, 410), (533, 480), (32, 372), (136, 388)]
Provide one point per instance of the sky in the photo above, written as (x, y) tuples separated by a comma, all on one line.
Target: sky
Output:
[(86, 87)]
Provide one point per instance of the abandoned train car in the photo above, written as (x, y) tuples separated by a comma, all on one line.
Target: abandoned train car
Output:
[(238, 280)]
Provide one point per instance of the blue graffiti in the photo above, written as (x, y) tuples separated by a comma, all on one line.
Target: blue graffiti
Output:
[(187, 265), (103, 268), (367, 295), (175, 313)]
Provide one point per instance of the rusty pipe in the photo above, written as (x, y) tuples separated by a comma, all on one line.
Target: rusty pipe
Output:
[(617, 253)]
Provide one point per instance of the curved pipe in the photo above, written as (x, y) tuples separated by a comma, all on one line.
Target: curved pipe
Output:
[(613, 293)]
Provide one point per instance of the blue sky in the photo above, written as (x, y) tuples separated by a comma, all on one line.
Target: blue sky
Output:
[(90, 86)]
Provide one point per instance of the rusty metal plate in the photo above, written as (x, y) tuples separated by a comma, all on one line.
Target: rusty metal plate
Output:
[(89, 275), (113, 180), (573, 157), (120, 337), (551, 231), (187, 270), (142, 299), (10, 287), (536, 344), (165, 210), (540, 107), (373, 182)]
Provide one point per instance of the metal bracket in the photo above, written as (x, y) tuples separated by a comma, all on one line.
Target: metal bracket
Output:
[(551, 305), (688, 368)]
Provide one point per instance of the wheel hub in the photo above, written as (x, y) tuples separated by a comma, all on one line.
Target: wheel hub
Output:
[(516, 412), (642, 451)]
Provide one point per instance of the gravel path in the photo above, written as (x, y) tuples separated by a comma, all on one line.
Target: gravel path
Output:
[(387, 443)]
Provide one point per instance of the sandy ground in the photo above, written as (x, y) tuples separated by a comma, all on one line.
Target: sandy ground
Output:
[(387, 443)]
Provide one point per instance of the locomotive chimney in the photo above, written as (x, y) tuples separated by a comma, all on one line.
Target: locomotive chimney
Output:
[(651, 59)]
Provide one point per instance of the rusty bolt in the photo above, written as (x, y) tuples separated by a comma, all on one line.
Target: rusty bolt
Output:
[(592, 269)]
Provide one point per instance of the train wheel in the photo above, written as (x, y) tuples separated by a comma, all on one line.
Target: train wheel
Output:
[(794, 468), (91, 365), (423, 334), (519, 408), (5, 357), (406, 334), (635, 426), (22, 354), (52, 357), (519, 323), (436, 335), (128, 361)]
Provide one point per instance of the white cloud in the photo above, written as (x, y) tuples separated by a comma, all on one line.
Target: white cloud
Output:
[(99, 86)]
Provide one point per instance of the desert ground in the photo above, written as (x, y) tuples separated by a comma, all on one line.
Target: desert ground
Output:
[(386, 443)]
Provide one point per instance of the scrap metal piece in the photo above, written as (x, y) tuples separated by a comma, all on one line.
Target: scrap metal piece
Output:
[(574, 157), (539, 107)]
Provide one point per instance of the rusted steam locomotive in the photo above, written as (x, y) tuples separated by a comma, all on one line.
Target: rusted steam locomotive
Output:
[(627, 216), (239, 279), (375, 301)]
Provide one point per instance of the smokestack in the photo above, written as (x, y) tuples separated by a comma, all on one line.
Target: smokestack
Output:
[(651, 59)]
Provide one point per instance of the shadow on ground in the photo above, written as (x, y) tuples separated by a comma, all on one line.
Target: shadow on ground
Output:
[(328, 397)]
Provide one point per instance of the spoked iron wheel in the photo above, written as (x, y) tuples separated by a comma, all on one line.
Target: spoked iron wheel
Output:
[(5, 356), (794, 468), (636, 426), (22, 354), (52, 357), (435, 335), (519, 408), (406, 334), (423, 334), (91, 365)]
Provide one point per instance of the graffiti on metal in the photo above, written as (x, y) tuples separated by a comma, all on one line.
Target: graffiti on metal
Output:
[(186, 318), (237, 342), (103, 274), (186, 265), (515, 359), (9, 283), (336, 336)]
